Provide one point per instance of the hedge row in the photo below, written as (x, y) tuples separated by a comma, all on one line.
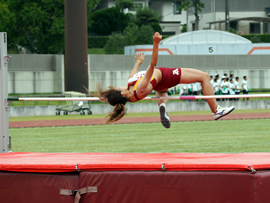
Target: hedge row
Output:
[(258, 38), (101, 41)]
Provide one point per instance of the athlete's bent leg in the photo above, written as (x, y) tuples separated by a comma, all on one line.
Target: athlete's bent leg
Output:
[(164, 116), (191, 76)]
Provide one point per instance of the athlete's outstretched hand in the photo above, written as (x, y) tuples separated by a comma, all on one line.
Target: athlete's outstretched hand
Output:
[(140, 57), (157, 37)]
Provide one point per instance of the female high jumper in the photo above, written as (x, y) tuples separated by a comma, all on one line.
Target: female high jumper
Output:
[(141, 84)]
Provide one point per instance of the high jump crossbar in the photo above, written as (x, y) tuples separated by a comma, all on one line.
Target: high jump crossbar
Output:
[(146, 98)]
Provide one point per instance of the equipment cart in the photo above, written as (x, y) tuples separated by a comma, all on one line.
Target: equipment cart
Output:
[(74, 106)]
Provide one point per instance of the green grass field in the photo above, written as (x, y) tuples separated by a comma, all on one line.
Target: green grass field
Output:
[(232, 136)]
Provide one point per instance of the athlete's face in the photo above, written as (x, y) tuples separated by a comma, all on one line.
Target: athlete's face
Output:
[(126, 93)]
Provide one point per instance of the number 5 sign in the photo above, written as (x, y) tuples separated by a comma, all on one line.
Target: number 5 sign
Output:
[(210, 50)]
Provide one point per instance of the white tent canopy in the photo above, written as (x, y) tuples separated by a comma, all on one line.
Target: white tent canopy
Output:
[(205, 37)]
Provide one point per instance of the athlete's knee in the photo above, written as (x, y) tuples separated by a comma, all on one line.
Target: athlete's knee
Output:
[(205, 76)]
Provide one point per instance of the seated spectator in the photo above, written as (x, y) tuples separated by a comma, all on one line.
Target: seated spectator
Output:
[(184, 92)]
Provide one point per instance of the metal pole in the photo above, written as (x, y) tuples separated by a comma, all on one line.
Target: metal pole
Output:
[(4, 127), (187, 21), (227, 17), (76, 46)]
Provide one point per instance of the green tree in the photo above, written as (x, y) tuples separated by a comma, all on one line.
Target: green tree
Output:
[(124, 4), (131, 34), (184, 29), (109, 20), (39, 25), (233, 31), (115, 44), (7, 22), (145, 35), (91, 6), (147, 16), (135, 35), (4, 16), (197, 5)]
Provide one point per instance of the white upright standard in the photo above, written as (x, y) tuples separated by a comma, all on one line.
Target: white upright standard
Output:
[(4, 127)]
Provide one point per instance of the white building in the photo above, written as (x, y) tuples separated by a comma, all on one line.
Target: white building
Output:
[(246, 16), (203, 42)]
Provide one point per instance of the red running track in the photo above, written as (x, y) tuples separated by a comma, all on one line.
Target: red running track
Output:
[(78, 122)]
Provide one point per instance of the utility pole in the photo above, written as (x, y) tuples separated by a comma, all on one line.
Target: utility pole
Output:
[(187, 21), (227, 17), (76, 46)]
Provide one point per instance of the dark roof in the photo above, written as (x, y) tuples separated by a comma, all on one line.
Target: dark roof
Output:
[(260, 19), (267, 10)]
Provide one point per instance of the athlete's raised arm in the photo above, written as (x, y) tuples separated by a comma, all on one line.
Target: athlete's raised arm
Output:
[(150, 70), (139, 60)]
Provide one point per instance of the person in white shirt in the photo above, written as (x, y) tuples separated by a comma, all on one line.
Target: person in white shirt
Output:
[(232, 88), (183, 91), (224, 86), (211, 79), (245, 86), (237, 90), (196, 89), (199, 88), (190, 89), (216, 87), (219, 83), (218, 79), (232, 77)]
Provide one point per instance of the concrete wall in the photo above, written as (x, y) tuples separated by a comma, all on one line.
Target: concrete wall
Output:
[(256, 67), (115, 69), (140, 107), (35, 74)]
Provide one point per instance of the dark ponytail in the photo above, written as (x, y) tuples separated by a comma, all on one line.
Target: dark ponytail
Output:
[(114, 98)]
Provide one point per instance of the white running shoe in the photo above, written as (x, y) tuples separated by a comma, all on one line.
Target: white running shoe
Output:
[(222, 111), (164, 116)]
